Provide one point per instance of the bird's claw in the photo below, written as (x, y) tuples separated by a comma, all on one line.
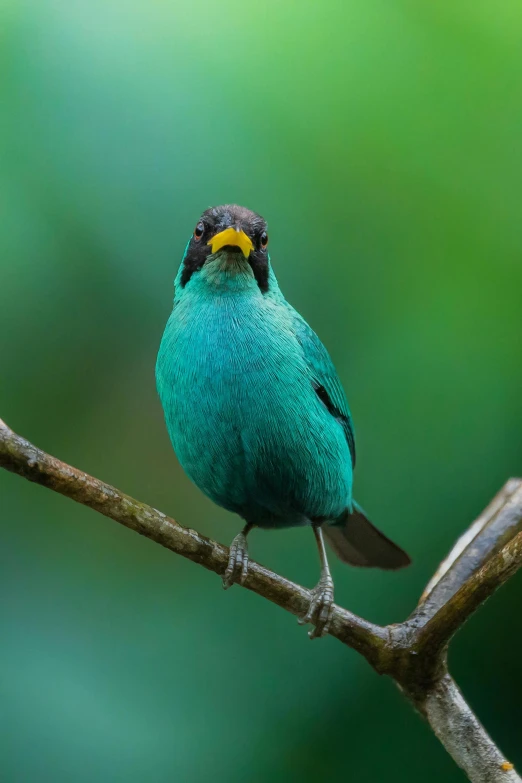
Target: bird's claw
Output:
[(237, 568), (320, 610)]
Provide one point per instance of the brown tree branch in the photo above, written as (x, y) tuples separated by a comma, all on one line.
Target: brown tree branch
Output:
[(413, 653), (464, 737), (437, 632), (494, 528), (20, 456)]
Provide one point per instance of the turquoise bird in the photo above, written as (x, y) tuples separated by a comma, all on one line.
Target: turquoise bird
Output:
[(254, 408)]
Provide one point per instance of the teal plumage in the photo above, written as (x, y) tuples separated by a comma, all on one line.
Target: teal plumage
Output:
[(253, 405)]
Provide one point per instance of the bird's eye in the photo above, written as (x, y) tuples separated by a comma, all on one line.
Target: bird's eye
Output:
[(198, 231), (263, 239)]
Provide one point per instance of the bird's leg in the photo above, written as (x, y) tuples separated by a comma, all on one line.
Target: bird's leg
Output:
[(237, 568), (321, 605)]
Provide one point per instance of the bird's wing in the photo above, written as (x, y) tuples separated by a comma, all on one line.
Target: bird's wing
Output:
[(324, 377)]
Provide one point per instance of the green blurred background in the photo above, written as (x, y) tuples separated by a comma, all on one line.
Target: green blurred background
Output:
[(390, 132)]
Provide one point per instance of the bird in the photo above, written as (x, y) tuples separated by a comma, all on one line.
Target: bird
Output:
[(254, 408)]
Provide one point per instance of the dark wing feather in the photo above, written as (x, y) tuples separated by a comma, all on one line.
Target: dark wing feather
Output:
[(325, 379)]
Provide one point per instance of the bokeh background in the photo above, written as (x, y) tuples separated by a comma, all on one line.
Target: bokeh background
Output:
[(382, 141)]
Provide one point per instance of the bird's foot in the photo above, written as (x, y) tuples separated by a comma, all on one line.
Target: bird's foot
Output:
[(321, 607), (237, 568)]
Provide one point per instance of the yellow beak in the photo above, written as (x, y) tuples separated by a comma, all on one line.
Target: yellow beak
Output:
[(231, 236)]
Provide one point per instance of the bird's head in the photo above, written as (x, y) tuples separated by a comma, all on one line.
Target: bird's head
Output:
[(234, 238)]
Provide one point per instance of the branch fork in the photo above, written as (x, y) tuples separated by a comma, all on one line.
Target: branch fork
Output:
[(413, 653)]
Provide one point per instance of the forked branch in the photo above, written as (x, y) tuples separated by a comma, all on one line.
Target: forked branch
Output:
[(413, 653)]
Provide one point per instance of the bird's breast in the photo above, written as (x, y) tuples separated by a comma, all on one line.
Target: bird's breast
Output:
[(234, 357), (241, 410)]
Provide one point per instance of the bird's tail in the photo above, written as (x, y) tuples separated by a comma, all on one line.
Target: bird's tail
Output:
[(356, 541)]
